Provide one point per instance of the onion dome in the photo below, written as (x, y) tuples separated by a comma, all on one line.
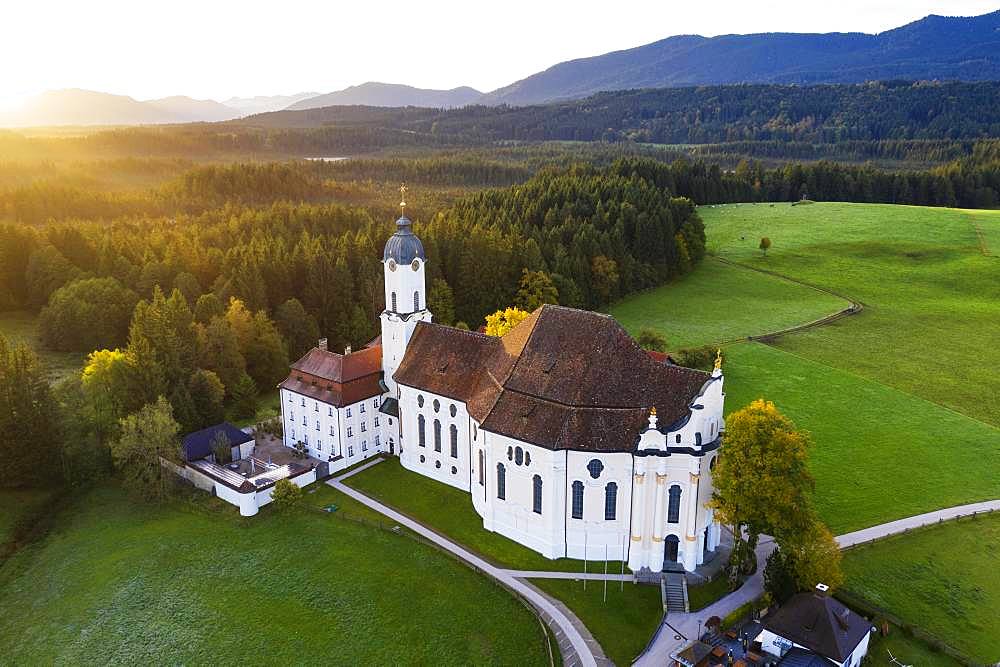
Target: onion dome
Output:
[(403, 246)]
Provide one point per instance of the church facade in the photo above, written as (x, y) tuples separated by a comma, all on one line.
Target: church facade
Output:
[(569, 438)]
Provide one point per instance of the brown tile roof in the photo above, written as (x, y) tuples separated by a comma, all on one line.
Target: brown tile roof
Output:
[(340, 367), (562, 379), (339, 379)]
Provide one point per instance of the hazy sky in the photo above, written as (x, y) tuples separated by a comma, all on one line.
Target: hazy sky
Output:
[(220, 48)]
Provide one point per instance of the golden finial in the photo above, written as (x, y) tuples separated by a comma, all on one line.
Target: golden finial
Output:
[(652, 411), (402, 198), (718, 359)]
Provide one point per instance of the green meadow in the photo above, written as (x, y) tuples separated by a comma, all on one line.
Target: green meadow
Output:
[(943, 579), (902, 398), (183, 583), (22, 327), (931, 322), (719, 302)]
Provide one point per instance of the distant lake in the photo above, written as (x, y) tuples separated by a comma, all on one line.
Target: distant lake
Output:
[(327, 159)]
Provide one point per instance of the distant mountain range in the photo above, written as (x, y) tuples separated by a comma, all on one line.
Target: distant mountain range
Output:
[(933, 48), (87, 107), (373, 94), (264, 103)]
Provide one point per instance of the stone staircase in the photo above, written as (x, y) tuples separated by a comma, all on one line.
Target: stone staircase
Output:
[(675, 593)]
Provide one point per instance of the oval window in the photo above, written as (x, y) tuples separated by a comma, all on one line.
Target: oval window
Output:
[(437, 405), (453, 410), (518, 456), (415, 265), (420, 401), (595, 467), (392, 265)]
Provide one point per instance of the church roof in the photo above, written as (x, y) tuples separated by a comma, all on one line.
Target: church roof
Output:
[(403, 246), (338, 379), (820, 623), (562, 379)]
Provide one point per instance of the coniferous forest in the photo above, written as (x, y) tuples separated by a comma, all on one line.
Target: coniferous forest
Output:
[(194, 262)]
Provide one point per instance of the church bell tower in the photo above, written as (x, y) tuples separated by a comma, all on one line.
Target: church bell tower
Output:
[(405, 293)]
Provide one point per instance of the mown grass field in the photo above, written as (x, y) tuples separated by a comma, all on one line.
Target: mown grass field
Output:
[(932, 299), (901, 399), (942, 578), (623, 624), (732, 303), (119, 583), (878, 453), (449, 512), (21, 327)]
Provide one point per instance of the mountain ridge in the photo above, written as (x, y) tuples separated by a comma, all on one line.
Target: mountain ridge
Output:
[(935, 47), (377, 94)]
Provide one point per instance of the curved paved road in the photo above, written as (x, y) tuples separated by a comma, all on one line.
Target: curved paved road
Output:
[(584, 653), (678, 629)]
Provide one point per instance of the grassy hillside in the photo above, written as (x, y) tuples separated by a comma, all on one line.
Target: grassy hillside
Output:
[(879, 453), (901, 399), (120, 583), (719, 302), (941, 578), (932, 299)]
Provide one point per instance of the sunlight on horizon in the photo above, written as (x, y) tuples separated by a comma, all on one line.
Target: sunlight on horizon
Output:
[(223, 49)]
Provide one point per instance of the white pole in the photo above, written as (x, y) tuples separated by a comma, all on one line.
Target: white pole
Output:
[(605, 570), (623, 565)]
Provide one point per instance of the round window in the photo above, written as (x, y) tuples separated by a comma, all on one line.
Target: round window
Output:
[(437, 464), (595, 467), (454, 470), (392, 265), (415, 265), (422, 458)]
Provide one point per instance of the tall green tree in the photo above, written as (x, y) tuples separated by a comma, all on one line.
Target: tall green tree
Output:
[(28, 419), (536, 288), (87, 315), (441, 301), (298, 327), (145, 437)]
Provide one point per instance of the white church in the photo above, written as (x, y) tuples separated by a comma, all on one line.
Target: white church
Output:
[(569, 438)]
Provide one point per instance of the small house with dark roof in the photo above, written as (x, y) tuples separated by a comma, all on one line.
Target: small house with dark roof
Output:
[(816, 624), (568, 437), (199, 445)]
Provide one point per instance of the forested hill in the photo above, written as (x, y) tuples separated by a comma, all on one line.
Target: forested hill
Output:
[(936, 47), (822, 113)]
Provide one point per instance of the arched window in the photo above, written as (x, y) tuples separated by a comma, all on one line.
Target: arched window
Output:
[(510, 453), (527, 458), (437, 436), (577, 499), (454, 441), (394, 302), (595, 467), (674, 506), (501, 482), (421, 431), (416, 301), (518, 456), (610, 501), (536, 485), (482, 468)]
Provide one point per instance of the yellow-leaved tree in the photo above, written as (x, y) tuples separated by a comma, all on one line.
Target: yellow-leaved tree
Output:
[(762, 483), (503, 321)]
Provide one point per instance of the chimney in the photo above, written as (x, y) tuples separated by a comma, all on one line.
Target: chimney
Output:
[(347, 350), (322, 344), (822, 590)]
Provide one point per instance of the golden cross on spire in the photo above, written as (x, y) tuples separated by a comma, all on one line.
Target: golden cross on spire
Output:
[(718, 359), (402, 198)]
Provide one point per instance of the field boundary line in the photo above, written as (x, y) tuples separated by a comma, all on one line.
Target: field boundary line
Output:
[(854, 308), (981, 237), (877, 382)]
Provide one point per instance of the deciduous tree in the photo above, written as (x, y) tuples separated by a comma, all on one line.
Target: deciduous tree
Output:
[(503, 321), (145, 436)]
